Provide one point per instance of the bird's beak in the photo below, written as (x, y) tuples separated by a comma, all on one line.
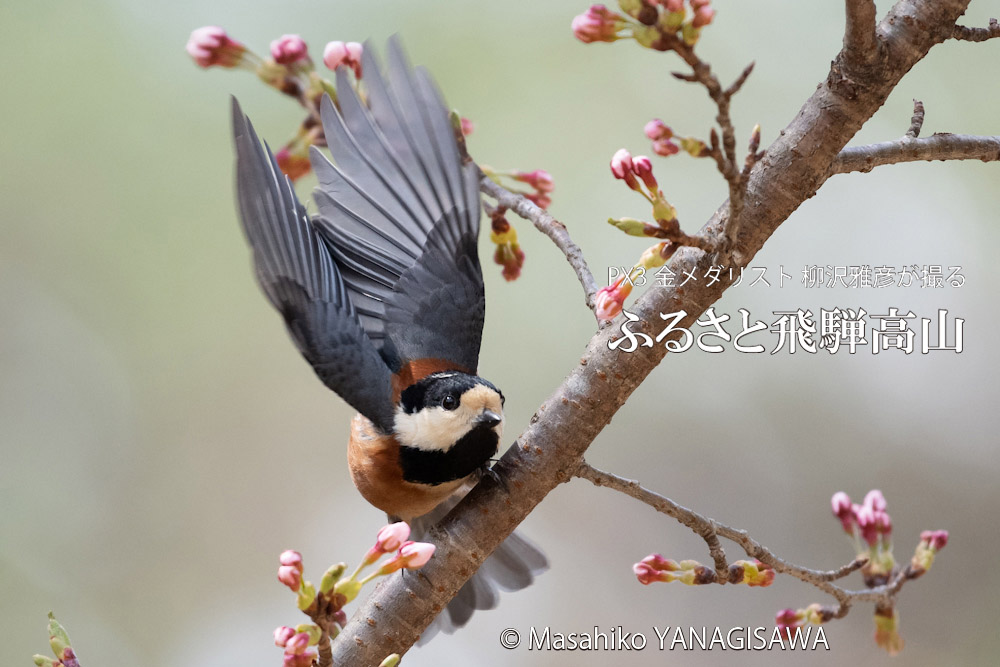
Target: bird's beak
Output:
[(489, 418)]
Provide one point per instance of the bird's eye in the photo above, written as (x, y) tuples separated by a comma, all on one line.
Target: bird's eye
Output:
[(449, 402)]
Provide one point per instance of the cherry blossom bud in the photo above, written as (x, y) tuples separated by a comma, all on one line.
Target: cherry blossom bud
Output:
[(665, 147), (539, 179), (788, 619), (293, 162), (841, 504), (43, 661), (883, 524), (690, 34), (673, 5), (703, 16), (511, 258), (658, 562), (289, 49), (58, 639), (390, 660), (467, 126), (540, 199), (887, 630), (644, 169), (340, 617), (866, 524), (622, 168), (297, 643), (392, 536), (291, 558), (698, 4), (608, 300), (282, 635), (875, 500), (347, 54), (936, 539), (597, 24), (416, 554), (331, 577), (754, 573), (290, 577), (211, 46), (657, 129), (647, 574), (307, 596)]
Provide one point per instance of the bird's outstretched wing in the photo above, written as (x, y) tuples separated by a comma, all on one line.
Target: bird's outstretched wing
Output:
[(400, 213), (300, 278)]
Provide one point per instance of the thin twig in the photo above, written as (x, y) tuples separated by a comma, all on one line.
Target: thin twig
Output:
[(967, 34), (935, 147), (859, 34), (325, 651), (710, 530), (917, 121), (549, 226)]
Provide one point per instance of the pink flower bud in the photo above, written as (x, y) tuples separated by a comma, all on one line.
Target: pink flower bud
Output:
[(539, 179), (658, 562), (621, 163), (597, 24), (282, 635), (340, 617), (292, 558), (210, 46), (841, 504), (646, 574), (935, 539), (703, 16), (883, 523), (673, 5), (875, 500), (866, 523), (290, 576), (657, 129), (665, 147), (416, 554), (297, 643), (540, 199), (392, 536), (788, 617), (608, 300), (644, 170), (288, 49), (467, 126), (347, 54)]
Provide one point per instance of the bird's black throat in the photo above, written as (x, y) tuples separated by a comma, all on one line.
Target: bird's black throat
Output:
[(434, 466)]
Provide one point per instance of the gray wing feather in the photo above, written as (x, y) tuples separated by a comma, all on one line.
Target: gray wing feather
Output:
[(513, 566), (300, 278), (401, 215)]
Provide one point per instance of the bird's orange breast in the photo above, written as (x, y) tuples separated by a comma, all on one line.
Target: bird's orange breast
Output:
[(373, 459)]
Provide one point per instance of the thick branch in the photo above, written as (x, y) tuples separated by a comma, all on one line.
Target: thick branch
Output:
[(551, 448), (859, 34), (934, 147), (549, 226)]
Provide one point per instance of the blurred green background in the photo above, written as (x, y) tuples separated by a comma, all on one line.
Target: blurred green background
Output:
[(162, 441)]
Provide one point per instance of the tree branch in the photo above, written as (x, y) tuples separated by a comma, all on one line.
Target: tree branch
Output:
[(545, 223), (710, 530), (551, 448), (935, 147), (964, 33), (860, 45)]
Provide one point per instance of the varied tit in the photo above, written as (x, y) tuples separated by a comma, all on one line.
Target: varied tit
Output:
[(383, 294)]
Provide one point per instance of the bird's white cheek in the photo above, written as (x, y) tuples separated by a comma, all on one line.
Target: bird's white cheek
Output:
[(429, 429)]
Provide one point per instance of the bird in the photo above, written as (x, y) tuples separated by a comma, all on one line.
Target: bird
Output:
[(382, 292)]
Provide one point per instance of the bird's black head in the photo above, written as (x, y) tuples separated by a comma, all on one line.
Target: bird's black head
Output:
[(437, 411)]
